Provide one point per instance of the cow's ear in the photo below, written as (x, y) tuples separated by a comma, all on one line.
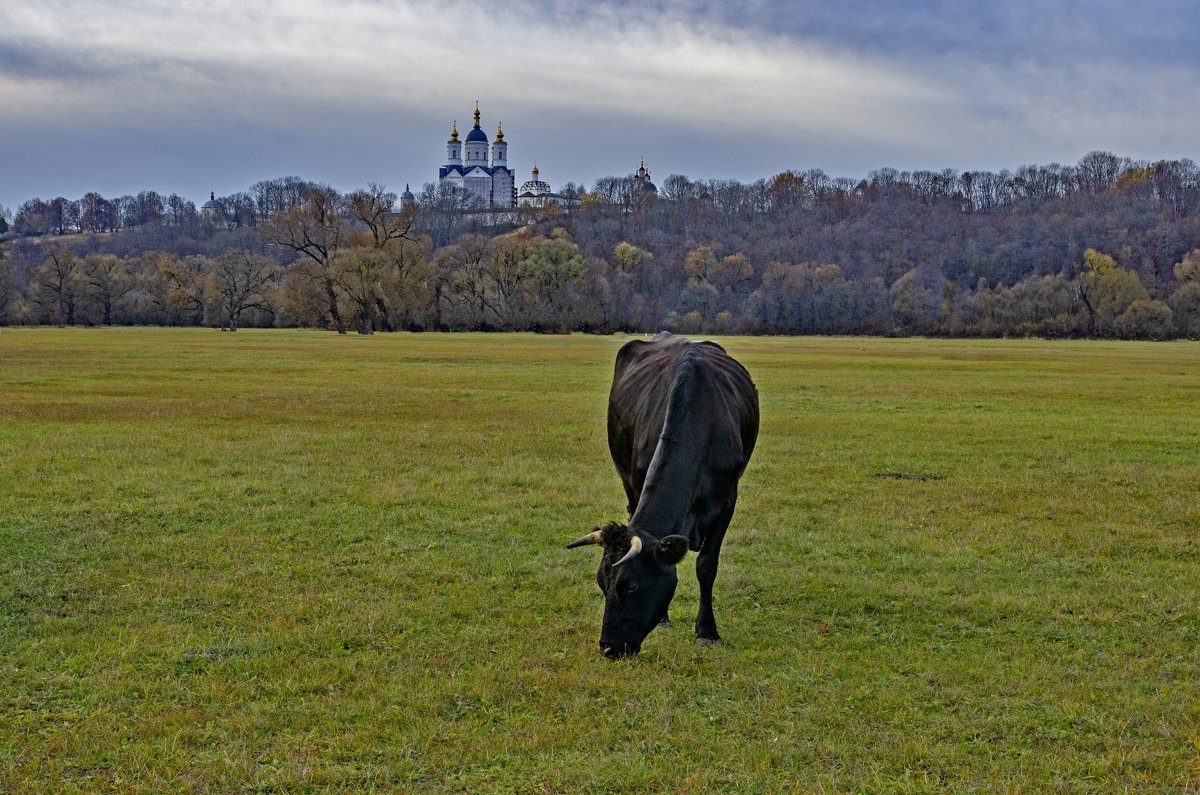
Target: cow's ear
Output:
[(670, 550)]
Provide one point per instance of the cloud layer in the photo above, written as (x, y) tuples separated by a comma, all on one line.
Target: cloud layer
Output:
[(197, 96)]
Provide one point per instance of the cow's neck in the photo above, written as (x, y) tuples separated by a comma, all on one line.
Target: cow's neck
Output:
[(673, 475)]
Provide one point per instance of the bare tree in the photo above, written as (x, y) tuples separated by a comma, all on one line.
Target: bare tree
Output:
[(181, 213), (274, 196), (441, 213), (463, 281), (56, 285), (239, 210), (242, 280), (108, 280), (614, 190), (96, 213), (315, 228), (6, 280), (375, 208)]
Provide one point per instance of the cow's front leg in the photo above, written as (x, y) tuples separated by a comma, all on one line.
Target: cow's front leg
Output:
[(706, 574)]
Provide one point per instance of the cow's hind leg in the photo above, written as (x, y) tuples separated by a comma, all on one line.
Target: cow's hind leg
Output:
[(706, 573)]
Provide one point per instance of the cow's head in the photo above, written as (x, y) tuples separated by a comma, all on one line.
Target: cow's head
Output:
[(637, 576)]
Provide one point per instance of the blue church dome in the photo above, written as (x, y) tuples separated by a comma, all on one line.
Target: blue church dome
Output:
[(477, 134)]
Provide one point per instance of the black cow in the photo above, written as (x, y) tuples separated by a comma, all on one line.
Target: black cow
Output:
[(682, 423)]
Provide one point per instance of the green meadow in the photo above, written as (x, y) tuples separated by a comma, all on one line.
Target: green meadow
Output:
[(287, 561)]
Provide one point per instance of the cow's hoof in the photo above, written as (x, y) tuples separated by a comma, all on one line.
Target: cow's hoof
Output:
[(708, 641), (665, 623)]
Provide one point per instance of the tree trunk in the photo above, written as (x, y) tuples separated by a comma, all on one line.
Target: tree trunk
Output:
[(334, 314), (365, 326), (437, 306), (385, 323), (1091, 313)]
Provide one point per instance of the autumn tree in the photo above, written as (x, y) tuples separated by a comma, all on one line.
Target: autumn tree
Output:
[(376, 255), (1144, 319), (732, 276), (1185, 301), (808, 298), (1106, 291), (315, 228), (298, 302), (786, 190), (32, 218), (188, 283), (715, 283), (361, 275), (505, 280), (626, 269), (1043, 306), (411, 289), (552, 271), (917, 303)]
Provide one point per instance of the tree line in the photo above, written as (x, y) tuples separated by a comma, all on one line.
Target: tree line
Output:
[(1107, 247)]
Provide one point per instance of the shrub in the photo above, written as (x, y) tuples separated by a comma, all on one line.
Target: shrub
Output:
[(1145, 320)]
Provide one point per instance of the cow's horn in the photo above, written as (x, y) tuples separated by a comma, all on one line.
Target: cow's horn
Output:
[(591, 538), (635, 546)]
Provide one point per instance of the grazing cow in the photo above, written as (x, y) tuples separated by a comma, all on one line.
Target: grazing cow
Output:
[(682, 423)]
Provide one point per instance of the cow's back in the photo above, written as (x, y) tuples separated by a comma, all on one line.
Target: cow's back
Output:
[(709, 389)]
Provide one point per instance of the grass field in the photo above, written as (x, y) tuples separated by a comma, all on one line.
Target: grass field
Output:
[(288, 561)]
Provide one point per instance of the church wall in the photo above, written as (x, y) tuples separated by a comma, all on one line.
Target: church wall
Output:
[(502, 188), (479, 187)]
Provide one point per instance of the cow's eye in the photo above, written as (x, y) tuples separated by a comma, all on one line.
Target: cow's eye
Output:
[(628, 588)]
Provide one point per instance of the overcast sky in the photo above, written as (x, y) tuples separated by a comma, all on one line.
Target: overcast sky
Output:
[(189, 97)]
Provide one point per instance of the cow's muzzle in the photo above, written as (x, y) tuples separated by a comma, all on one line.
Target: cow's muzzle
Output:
[(615, 651)]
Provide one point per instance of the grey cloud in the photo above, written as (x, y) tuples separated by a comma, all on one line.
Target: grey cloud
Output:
[(708, 89), (31, 61)]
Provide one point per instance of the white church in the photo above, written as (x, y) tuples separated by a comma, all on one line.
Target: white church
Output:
[(493, 183)]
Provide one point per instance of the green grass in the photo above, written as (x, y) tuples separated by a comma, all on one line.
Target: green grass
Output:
[(289, 561)]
